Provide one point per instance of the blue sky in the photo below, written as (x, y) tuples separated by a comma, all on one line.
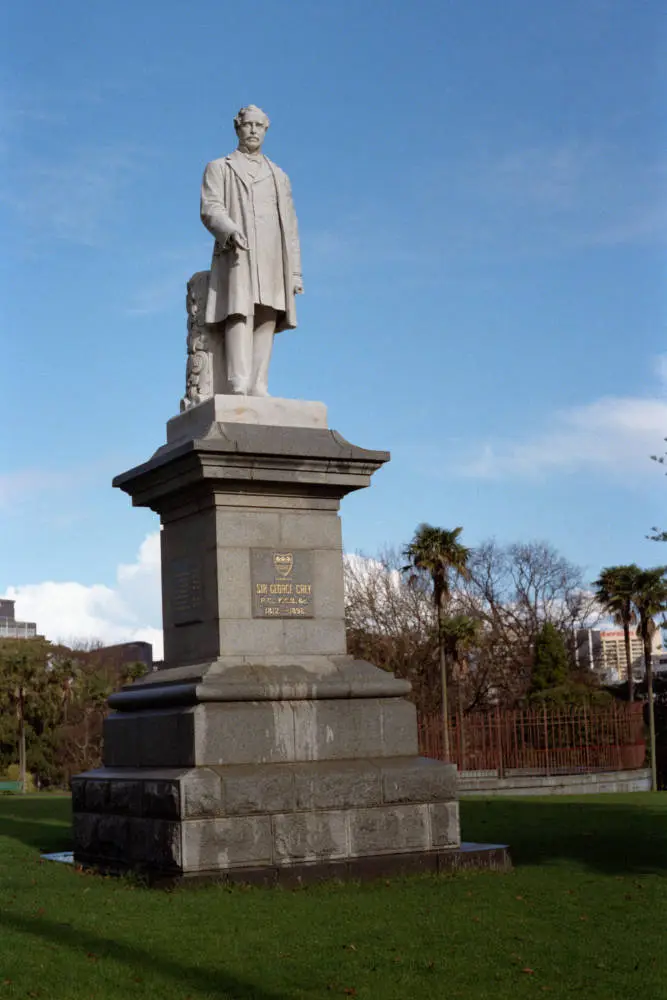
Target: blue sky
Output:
[(482, 201)]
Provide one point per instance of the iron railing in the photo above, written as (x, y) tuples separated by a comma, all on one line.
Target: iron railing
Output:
[(540, 741)]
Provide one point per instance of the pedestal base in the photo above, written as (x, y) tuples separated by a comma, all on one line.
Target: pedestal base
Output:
[(218, 820), (269, 411), (467, 857), (262, 747)]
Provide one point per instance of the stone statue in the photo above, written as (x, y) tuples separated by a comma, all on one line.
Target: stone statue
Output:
[(246, 203)]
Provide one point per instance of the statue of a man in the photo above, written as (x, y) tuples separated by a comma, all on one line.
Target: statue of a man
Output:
[(246, 202)]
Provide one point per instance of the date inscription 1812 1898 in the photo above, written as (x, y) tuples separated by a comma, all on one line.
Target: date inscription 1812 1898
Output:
[(281, 583)]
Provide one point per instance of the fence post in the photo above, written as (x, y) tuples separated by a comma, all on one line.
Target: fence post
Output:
[(499, 744), (462, 741), (546, 743), (587, 737), (620, 737)]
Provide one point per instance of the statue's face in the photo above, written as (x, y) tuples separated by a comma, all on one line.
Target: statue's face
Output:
[(251, 131)]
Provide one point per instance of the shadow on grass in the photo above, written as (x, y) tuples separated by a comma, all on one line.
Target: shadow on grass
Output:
[(138, 960), (43, 823), (612, 836)]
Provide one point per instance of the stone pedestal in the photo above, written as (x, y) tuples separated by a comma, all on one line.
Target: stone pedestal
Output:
[(261, 746)]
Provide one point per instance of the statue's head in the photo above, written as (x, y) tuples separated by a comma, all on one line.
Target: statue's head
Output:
[(251, 124)]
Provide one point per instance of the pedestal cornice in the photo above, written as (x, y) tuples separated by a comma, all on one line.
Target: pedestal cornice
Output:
[(252, 459)]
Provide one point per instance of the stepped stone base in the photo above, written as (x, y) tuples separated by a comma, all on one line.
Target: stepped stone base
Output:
[(261, 817), (268, 732), (261, 747)]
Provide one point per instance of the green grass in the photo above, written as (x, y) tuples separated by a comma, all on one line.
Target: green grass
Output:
[(582, 915)]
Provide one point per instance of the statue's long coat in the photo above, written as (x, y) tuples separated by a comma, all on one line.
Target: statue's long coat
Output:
[(225, 203)]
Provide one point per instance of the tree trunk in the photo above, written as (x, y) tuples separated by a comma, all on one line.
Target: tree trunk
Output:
[(628, 661), (461, 749), (443, 683), (22, 766), (651, 710)]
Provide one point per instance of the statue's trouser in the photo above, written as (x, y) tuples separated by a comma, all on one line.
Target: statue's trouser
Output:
[(248, 346)]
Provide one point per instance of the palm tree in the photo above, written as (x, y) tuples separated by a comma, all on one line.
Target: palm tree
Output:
[(437, 554), (614, 590), (460, 634), (650, 599)]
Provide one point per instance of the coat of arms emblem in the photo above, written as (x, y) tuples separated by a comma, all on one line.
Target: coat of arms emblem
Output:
[(283, 563)]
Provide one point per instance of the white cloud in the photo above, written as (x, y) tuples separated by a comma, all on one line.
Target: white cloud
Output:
[(576, 193), (74, 199), (21, 486), (365, 568), (548, 176), (129, 611), (613, 434), (661, 369), (18, 485)]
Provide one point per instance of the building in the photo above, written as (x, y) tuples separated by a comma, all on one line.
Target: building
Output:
[(603, 650), (9, 627), (114, 659), (128, 652)]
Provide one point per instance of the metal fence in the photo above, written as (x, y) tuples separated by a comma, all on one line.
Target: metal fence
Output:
[(537, 741)]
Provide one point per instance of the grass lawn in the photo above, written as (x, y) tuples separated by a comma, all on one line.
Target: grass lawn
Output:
[(581, 916)]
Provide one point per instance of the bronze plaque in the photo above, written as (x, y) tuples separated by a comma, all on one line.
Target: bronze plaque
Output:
[(282, 583)]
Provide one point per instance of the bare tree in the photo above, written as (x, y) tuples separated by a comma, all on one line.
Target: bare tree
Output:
[(511, 593), (514, 591), (392, 623)]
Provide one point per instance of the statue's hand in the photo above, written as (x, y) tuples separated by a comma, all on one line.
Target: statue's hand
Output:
[(238, 240), (298, 286)]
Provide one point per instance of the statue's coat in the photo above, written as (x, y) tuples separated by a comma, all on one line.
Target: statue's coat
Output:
[(226, 203)]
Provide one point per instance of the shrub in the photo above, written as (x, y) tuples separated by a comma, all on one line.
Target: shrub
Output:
[(14, 774)]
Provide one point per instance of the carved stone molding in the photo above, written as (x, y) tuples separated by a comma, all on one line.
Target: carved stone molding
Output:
[(199, 367)]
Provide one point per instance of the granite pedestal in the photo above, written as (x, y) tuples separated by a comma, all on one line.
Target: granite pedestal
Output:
[(261, 745)]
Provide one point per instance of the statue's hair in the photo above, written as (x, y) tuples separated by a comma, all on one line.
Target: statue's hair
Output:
[(242, 112)]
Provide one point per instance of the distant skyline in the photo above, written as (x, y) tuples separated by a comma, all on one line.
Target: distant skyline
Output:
[(481, 192)]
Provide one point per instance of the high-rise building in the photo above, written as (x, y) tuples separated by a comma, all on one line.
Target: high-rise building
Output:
[(9, 627), (603, 650)]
